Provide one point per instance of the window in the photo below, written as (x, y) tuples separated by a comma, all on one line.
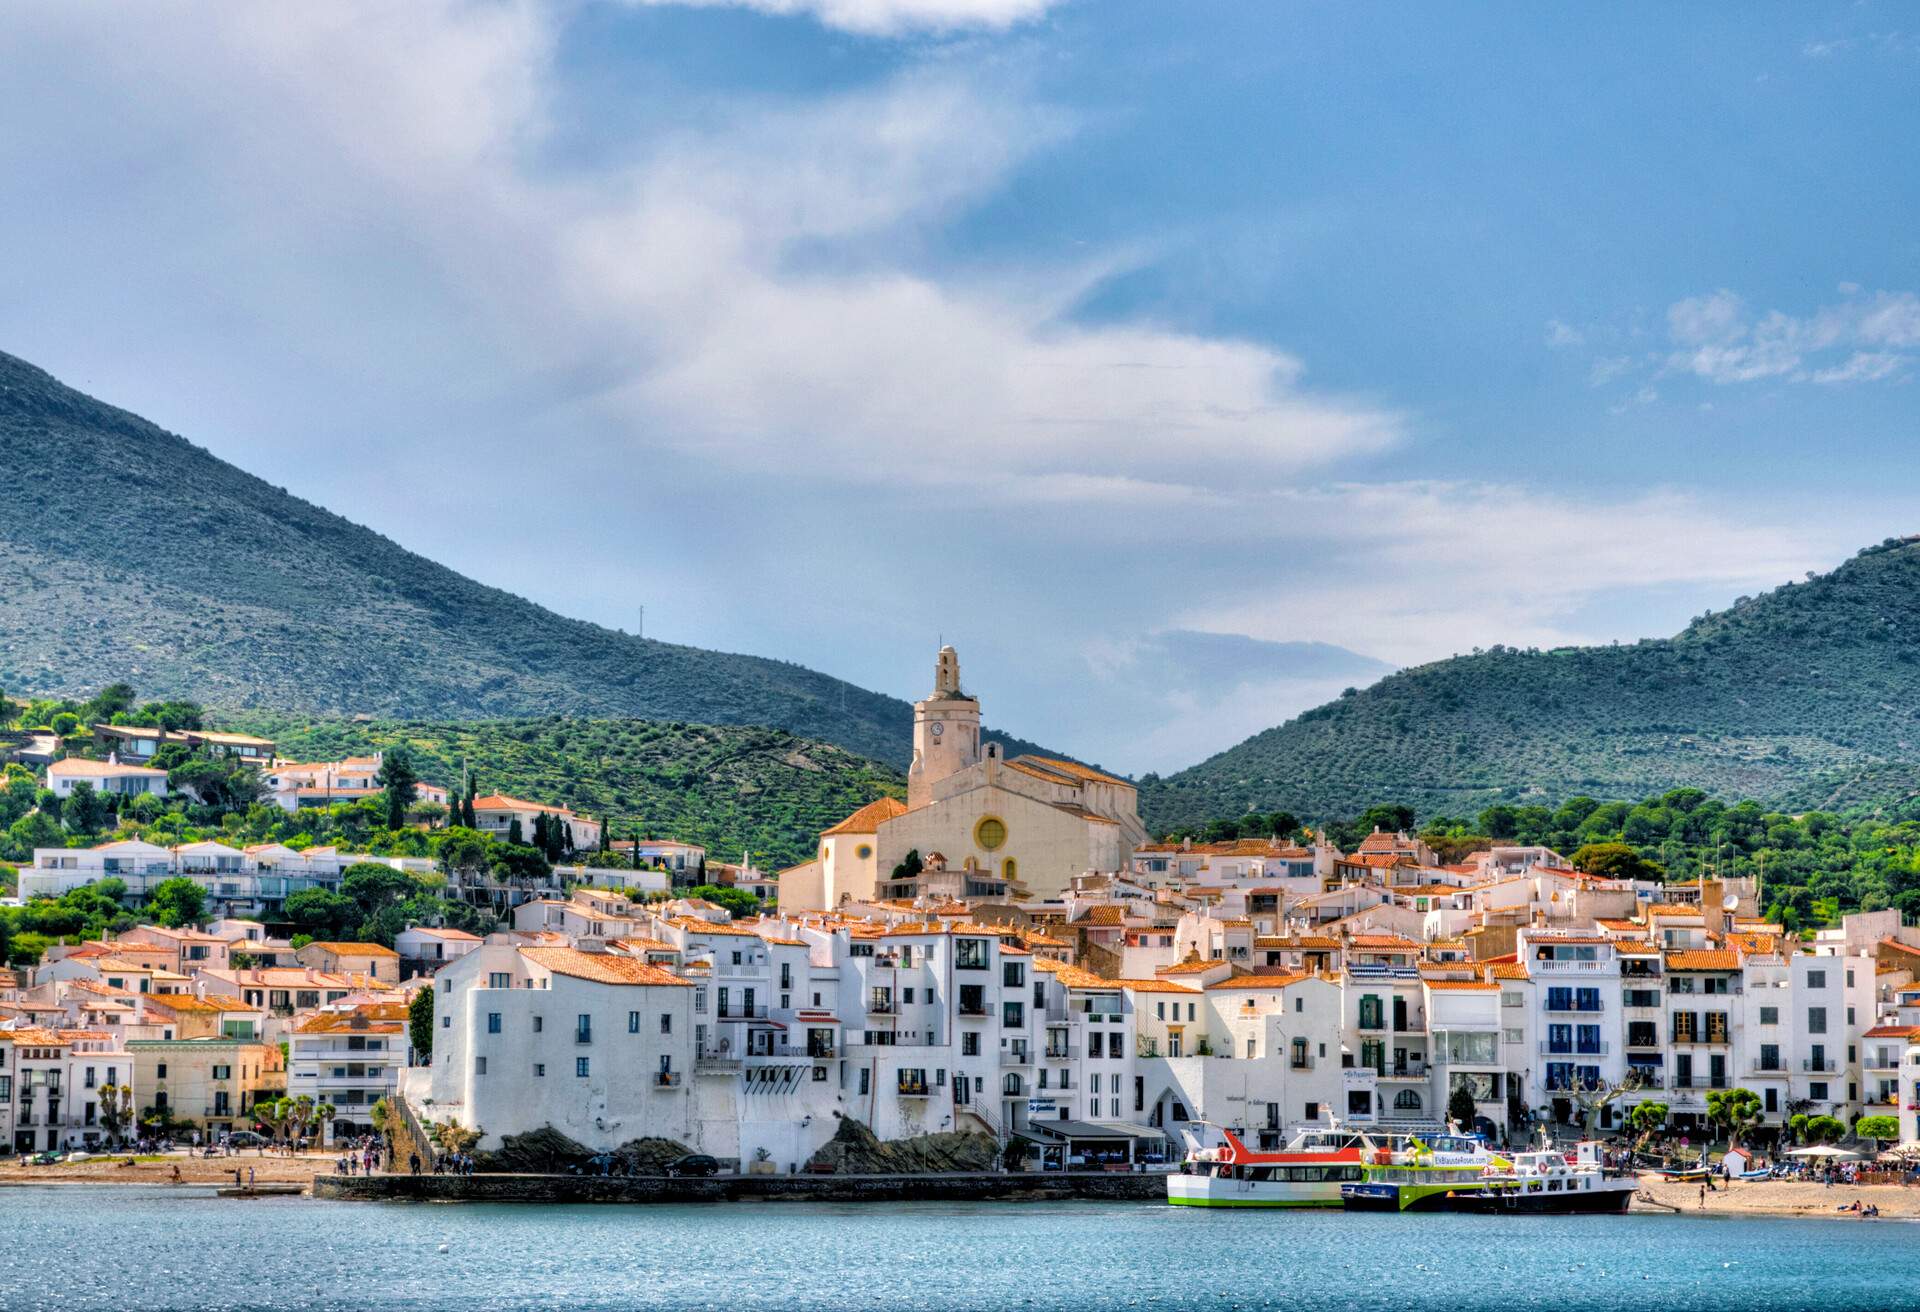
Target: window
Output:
[(446, 1022), (990, 833), (1372, 1014), (1769, 1015), (479, 1065), (1013, 974), (493, 1022), (1407, 1100), (581, 1068), (539, 1070), (1816, 1020), (1816, 979), (1160, 1010), (970, 953), (666, 1022), (1096, 1041), (1013, 1015), (970, 1043), (1817, 1090), (633, 1022), (499, 979), (583, 1029), (219, 1073), (162, 1073), (1769, 1056), (906, 995)]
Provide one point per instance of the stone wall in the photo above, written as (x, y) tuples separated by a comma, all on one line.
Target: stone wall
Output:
[(981, 1187)]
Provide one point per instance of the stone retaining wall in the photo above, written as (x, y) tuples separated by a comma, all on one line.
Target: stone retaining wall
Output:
[(1053, 1186)]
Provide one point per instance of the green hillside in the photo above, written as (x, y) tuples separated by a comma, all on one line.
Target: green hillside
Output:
[(129, 553), (1805, 695), (728, 788)]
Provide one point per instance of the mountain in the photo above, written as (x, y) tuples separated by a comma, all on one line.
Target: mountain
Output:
[(730, 789), (1806, 695), (127, 553)]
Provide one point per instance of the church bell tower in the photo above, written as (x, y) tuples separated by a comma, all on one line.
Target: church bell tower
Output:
[(946, 731)]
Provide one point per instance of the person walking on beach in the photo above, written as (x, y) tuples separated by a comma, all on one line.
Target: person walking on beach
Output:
[(413, 1163), (1703, 1196)]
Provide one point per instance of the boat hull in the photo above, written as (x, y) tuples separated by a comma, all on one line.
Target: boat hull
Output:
[(1579, 1202), (1213, 1191), (1385, 1197)]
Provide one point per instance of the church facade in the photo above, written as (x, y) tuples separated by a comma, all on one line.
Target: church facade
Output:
[(975, 823)]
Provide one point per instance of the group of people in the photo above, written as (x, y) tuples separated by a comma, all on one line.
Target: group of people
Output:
[(452, 1164)]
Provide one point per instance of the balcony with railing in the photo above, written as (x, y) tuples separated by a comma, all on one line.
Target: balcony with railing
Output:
[(909, 1087), (741, 1011), (975, 1009), (1405, 1070), (882, 1007), (666, 1079), (1574, 1048), (1826, 1066), (1063, 1052), (1016, 1055)]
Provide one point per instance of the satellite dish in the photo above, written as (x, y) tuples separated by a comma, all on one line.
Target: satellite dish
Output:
[(1731, 902)]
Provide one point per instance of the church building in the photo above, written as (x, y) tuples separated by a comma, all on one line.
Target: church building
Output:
[(975, 823)]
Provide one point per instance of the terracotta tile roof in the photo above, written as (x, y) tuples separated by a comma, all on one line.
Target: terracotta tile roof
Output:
[(869, 818), (1190, 968), (501, 802), (354, 949), (1245, 982), (1893, 1032), (75, 767), (1747, 943), (1696, 959), (1898, 946), (376, 1017), (1376, 941), (1156, 986), (35, 1037), (453, 935), (1074, 977), (1104, 915), (602, 967), (695, 925), (1072, 769), (1463, 985), (1510, 970)]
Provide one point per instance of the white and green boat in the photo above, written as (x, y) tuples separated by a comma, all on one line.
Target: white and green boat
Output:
[(1422, 1173)]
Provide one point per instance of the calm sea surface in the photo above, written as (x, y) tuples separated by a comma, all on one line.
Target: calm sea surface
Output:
[(125, 1249)]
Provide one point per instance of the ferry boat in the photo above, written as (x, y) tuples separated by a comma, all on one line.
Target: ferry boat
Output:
[(1547, 1183), (1309, 1172), (1424, 1174)]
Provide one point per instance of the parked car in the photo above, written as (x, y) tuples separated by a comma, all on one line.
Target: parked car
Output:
[(246, 1139), (693, 1164)]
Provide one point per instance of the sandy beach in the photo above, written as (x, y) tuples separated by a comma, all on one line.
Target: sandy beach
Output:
[(1778, 1198), (193, 1170)]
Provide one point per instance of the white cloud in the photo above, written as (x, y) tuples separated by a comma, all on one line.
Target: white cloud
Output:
[(1862, 367), (1718, 340), (891, 17), (749, 293), (1561, 335), (1487, 563)]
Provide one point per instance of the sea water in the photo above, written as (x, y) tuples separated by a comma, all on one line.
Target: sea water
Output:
[(127, 1248)]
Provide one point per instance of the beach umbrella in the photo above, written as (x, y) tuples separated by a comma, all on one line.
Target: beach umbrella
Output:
[(1821, 1151)]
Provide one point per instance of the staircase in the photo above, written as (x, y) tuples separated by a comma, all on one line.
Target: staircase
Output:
[(982, 1114)]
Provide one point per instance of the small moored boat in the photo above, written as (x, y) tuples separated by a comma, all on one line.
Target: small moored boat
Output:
[(1547, 1183)]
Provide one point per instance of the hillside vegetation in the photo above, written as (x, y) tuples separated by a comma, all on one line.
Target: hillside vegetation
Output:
[(1808, 693), (129, 553), (729, 788)]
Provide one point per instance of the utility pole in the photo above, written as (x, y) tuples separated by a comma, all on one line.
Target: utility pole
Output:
[(641, 632)]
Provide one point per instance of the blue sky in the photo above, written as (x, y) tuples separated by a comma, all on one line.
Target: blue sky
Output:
[(1063, 330)]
